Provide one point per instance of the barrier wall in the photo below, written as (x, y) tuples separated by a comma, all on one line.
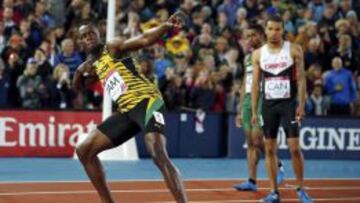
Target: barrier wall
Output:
[(320, 138), (43, 133), (54, 134)]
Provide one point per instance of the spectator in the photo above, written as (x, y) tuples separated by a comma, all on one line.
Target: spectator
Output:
[(327, 25), (72, 10), (69, 56), (7, 18), (221, 47), (133, 25), (345, 7), (198, 20), (347, 54), (16, 13), (342, 27), (308, 32), (30, 86), (222, 23), (357, 103), (232, 60), (14, 68), (340, 86), (180, 64), (4, 86), (189, 83), (317, 104), (314, 76), (288, 24), (146, 68), (229, 7), (202, 96), (45, 70), (85, 15), (233, 98), (317, 8), (17, 44), (204, 40), (175, 93), (314, 53), (252, 8), (222, 84), (60, 89), (56, 10), (41, 15), (161, 63), (241, 21), (352, 18), (212, 40), (27, 34), (207, 13), (2, 36)]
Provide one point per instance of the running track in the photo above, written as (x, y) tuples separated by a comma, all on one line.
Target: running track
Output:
[(62, 181)]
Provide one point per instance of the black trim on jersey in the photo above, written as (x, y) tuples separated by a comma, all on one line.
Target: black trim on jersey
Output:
[(129, 64)]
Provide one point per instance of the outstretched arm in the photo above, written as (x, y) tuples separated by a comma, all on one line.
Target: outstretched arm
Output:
[(149, 37)]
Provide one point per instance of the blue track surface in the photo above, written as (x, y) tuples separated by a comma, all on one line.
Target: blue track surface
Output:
[(45, 169)]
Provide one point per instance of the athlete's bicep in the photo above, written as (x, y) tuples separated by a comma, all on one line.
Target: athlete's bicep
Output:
[(122, 46), (134, 43)]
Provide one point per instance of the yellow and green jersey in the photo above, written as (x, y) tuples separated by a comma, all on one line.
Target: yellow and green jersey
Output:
[(122, 79)]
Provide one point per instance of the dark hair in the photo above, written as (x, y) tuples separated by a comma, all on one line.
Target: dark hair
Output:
[(258, 28), (274, 18), (90, 25)]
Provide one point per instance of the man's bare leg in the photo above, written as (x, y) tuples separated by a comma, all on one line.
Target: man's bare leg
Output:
[(297, 159), (87, 153), (271, 161), (156, 145)]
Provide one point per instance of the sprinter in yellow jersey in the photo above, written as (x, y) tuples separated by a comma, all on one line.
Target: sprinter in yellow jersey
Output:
[(140, 104)]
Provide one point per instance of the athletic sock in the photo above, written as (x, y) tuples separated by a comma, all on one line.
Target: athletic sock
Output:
[(252, 181)]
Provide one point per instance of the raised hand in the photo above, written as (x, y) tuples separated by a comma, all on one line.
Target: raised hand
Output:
[(178, 19)]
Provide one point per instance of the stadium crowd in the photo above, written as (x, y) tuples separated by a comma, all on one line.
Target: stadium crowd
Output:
[(200, 67)]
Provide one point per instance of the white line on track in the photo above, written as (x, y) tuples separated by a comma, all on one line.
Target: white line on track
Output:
[(74, 192), (161, 180), (345, 199)]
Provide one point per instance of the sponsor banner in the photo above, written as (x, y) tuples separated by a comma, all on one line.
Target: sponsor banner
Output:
[(320, 138), (43, 133)]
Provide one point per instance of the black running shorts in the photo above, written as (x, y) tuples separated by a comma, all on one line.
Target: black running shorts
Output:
[(276, 113), (148, 116)]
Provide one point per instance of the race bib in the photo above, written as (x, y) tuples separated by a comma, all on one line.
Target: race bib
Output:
[(159, 118), (248, 83), (277, 88), (115, 85)]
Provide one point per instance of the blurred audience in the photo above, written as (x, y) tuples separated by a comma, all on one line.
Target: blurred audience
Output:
[(198, 67)]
